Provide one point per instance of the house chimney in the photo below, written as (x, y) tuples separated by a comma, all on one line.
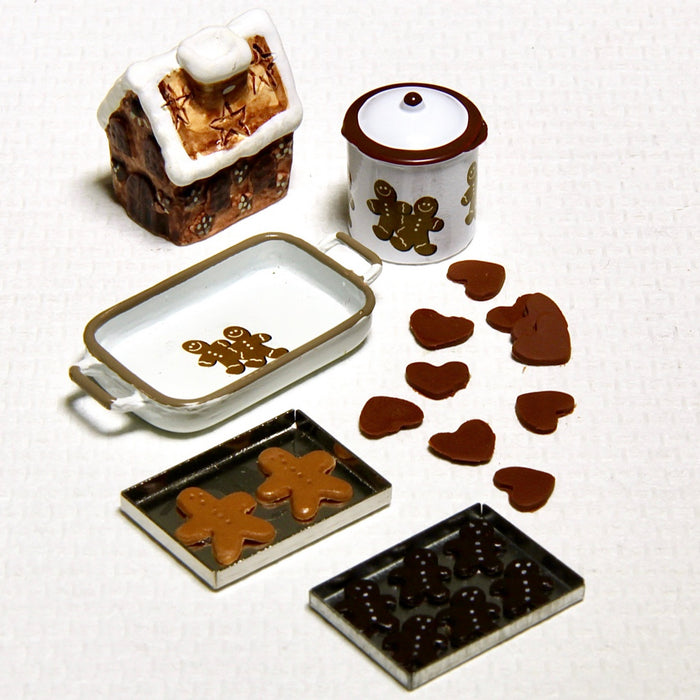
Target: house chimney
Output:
[(212, 58)]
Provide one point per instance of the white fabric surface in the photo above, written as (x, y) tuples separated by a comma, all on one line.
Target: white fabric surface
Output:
[(588, 192)]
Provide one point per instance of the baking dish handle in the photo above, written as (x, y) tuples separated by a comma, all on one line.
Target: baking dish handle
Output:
[(101, 395), (372, 258)]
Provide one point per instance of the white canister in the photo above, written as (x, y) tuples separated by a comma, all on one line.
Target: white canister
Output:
[(412, 168)]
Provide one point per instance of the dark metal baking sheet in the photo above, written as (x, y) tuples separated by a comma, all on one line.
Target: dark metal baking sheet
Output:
[(568, 589), (232, 466)]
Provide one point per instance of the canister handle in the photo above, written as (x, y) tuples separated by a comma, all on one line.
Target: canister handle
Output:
[(372, 258), (101, 395)]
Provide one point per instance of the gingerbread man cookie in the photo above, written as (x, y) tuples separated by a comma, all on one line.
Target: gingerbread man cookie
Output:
[(225, 522), (469, 616), (367, 609), (415, 227), (421, 578), (251, 349), (389, 210), (522, 588), (218, 351), (305, 481), (477, 549), (418, 643)]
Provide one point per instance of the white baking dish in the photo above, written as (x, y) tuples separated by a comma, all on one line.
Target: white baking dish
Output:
[(272, 284)]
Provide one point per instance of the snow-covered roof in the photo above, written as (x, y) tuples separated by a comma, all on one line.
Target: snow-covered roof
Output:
[(143, 79)]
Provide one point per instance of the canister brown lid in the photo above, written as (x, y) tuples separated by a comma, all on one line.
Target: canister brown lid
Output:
[(414, 124)]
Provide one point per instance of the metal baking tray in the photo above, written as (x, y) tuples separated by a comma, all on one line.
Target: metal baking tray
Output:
[(288, 293), (568, 588), (232, 466)]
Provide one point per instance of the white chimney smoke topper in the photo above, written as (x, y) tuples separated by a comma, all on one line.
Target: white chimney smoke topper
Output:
[(214, 54)]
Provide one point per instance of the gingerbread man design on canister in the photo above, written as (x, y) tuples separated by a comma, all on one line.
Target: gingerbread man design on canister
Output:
[(416, 227), (469, 198), (389, 210)]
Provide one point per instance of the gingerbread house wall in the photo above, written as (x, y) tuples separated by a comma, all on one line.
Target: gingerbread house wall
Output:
[(188, 214)]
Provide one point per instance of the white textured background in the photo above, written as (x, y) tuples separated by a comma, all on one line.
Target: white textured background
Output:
[(588, 192)]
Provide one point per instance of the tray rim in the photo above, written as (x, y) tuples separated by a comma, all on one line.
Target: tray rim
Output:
[(97, 350), (574, 582), (216, 579)]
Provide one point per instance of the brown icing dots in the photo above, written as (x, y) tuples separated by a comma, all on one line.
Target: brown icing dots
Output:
[(385, 415), (482, 280), (539, 411), (538, 330), (421, 578), (472, 443), (523, 588), (418, 643), (225, 522), (306, 481), (528, 489), (437, 382), (432, 330), (366, 608)]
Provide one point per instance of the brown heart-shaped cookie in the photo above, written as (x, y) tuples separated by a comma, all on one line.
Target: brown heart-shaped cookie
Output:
[(385, 415), (472, 443), (539, 332), (482, 280), (528, 489), (539, 411), (536, 306), (432, 330), (503, 318), (548, 343), (437, 382)]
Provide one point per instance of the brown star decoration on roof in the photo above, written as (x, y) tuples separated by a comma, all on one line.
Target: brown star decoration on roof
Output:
[(267, 61), (176, 104), (230, 124)]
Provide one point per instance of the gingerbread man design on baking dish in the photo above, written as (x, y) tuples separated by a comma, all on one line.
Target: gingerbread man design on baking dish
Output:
[(241, 349), (210, 353), (250, 347)]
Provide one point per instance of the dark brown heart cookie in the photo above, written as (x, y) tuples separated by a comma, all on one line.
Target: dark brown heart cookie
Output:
[(539, 411), (547, 344), (503, 318), (437, 382), (385, 415), (482, 280), (539, 332), (432, 330), (472, 443), (528, 489)]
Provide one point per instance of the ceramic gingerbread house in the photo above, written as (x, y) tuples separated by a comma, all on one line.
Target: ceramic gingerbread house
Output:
[(201, 136)]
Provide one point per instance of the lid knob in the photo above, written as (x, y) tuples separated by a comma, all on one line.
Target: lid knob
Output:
[(213, 55), (412, 99)]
